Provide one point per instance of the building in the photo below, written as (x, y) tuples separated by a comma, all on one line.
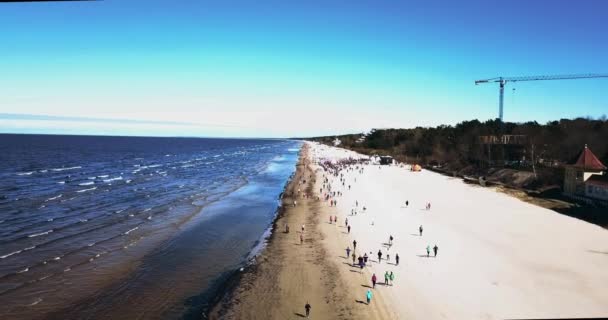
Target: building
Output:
[(586, 172), (596, 187), (384, 160)]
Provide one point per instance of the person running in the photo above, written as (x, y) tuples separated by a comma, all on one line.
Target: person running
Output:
[(435, 248), (348, 229), (379, 256), (428, 251), (354, 244), (397, 259), (369, 296), (307, 307), (386, 277), (391, 277), (420, 230), (374, 281)]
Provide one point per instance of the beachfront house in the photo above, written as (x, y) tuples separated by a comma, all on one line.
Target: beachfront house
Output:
[(386, 160), (584, 177)]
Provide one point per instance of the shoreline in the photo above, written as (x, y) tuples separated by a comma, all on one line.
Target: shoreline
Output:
[(287, 273)]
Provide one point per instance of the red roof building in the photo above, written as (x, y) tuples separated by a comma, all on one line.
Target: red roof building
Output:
[(586, 166), (587, 161)]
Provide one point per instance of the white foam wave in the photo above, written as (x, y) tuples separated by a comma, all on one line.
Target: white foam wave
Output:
[(61, 182), (85, 190), (40, 234), (69, 168), (53, 198), (25, 173), (24, 270), (10, 254), (112, 179), (131, 230), (86, 183), (37, 301), (103, 176)]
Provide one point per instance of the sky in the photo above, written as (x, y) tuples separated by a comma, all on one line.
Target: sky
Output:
[(293, 68)]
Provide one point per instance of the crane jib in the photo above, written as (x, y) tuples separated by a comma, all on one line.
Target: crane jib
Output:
[(503, 80)]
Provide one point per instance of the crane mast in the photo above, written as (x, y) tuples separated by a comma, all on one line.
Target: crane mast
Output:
[(502, 81)]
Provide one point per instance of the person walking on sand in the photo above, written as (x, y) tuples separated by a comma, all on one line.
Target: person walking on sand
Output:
[(379, 256), (354, 244), (407, 203), (346, 222), (435, 248), (347, 252), (307, 307), (303, 227), (391, 277), (301, 239), (428, 251), (386, 277), (397, 259), (420, 230), (348, 229), (374, 281), (390, 240), (369, 296), (365, 258), (354, 256)]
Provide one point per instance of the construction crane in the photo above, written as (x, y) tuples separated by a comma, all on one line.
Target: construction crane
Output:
[(502, 81)]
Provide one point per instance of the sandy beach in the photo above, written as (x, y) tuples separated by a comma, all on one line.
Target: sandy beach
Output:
[(498, 257)]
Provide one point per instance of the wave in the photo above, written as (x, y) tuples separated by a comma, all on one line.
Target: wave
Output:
[(10, 254), (86, 183), (53, 198), (69, 168), (24, 270), (85, 190), (128, 181), (112, 179), (61, 182), (37, 301), (91, 178), (25, 173), (131, 230), (39, 234), (103, 176)]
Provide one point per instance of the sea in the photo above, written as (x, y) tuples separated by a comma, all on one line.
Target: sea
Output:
[(97, 227)]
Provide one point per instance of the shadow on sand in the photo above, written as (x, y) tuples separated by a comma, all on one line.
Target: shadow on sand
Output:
[(361, 301), (299, 315)]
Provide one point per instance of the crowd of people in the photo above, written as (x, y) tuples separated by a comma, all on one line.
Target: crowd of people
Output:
[(337, 179)]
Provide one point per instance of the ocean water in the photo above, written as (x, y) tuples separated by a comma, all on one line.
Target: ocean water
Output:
[(124, 227)]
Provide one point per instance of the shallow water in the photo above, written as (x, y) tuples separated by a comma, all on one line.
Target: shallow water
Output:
[(98, 227)]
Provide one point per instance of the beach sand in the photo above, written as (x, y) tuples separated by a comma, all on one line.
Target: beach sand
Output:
[(498, 257)]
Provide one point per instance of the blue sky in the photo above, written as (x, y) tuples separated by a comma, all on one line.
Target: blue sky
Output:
[(293, 68)]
